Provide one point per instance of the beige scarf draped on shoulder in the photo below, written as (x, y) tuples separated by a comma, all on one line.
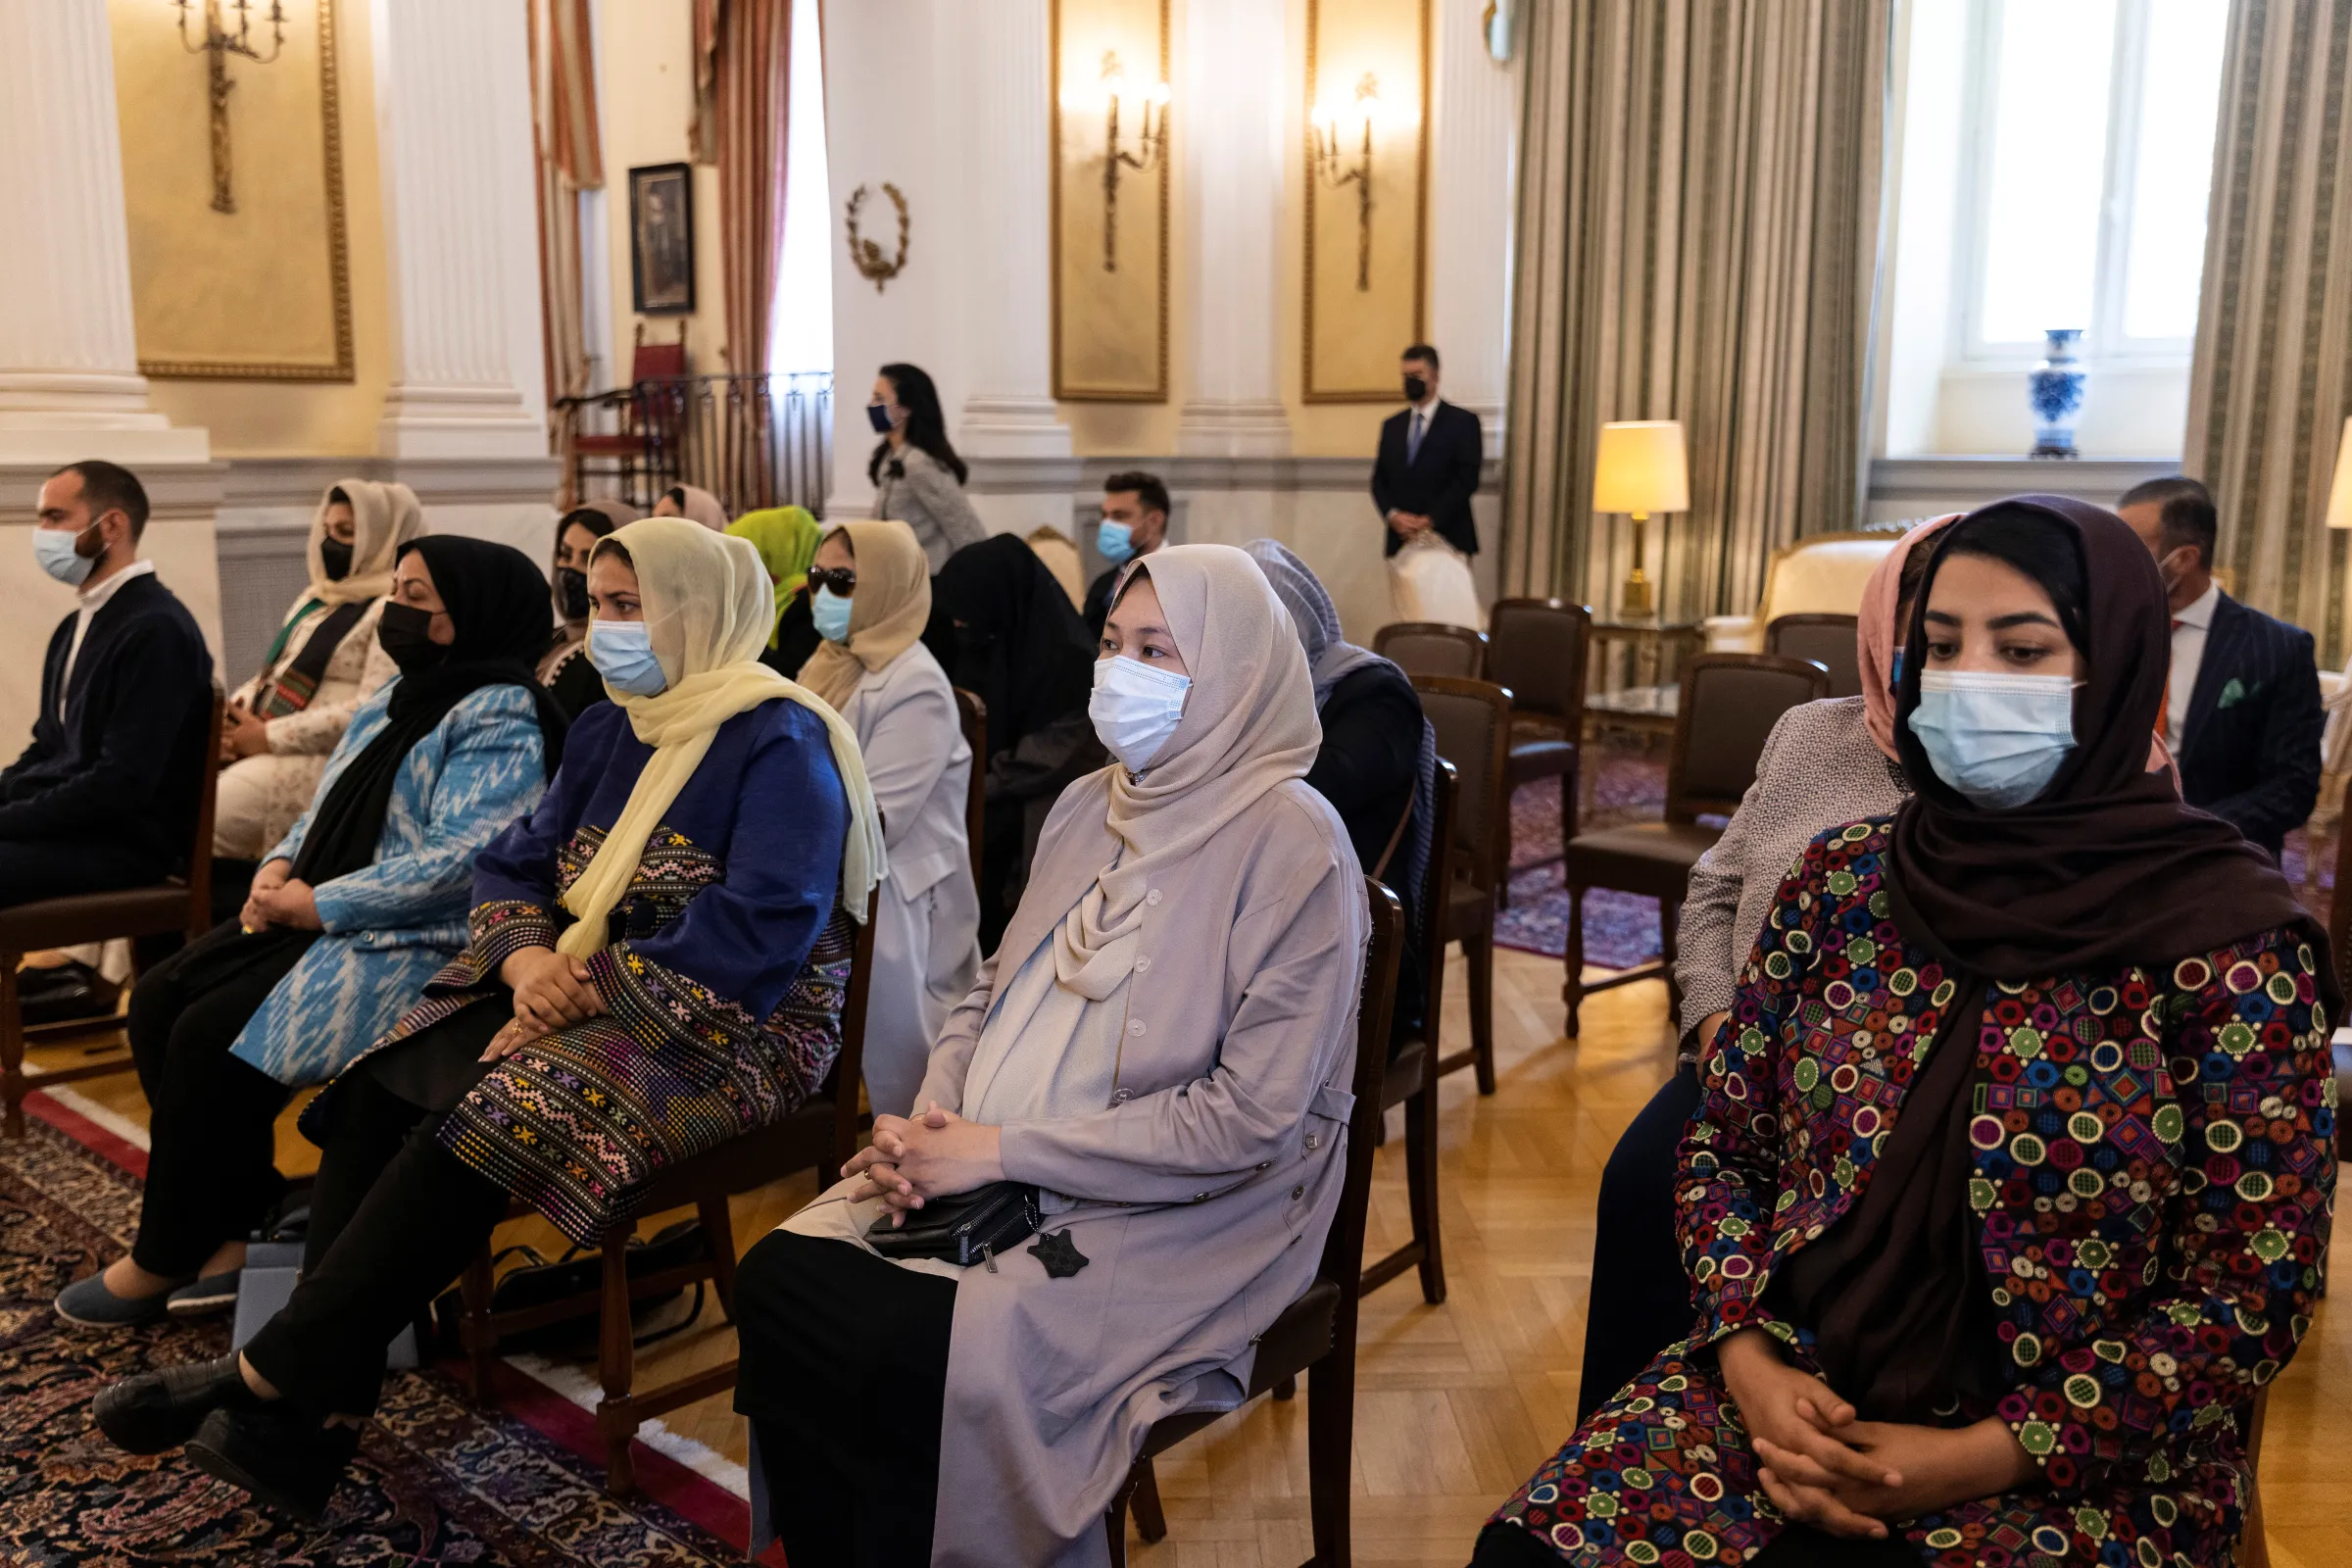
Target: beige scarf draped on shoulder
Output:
[(886, 612), (1248, 725), (384, 517), (708, 603)]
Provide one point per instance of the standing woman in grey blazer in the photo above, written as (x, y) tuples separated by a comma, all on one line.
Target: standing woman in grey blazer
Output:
[(870, 597), (916, 474)]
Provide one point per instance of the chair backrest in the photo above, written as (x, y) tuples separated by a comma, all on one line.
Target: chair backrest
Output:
[(972, 713), (1473, 721), (848, 1068), (1435, 880), (653, 360), (2339, 908), (1433, 648), (1344, 1246), (200, 849), (1729, 703), (1537, 647), (1824, 571), (1826, 640)]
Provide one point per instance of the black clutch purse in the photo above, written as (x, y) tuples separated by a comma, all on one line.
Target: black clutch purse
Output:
[(967, 1228)]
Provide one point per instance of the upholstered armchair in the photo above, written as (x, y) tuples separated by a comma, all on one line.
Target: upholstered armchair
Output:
[(1823, 574)]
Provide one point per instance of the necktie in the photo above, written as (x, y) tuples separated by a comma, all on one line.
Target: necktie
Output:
[(1412, 440), (2164, 714)]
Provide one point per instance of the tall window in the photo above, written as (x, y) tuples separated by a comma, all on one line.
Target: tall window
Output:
[(2087, 156), (802, 339)]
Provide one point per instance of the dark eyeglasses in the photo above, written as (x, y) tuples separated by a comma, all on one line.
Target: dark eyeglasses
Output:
[(842, 580)]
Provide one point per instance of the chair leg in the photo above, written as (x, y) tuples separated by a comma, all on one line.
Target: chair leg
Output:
[(1502, 862), (1149, 1522), (1478, 958), (1573, 990), (12, 1049), (617, 1366), (477, 1330), (1287, 1389), (1114, 1521), (1569, 786), (1330, 1442), (718, 1233), (1670, 920), (1421, 1188)]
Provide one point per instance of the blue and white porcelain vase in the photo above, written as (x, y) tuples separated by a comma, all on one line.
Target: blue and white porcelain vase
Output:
[(2054, 390)]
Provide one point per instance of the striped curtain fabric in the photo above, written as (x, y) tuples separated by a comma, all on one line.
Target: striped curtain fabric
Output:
[(1697, 239), (750, 65), (570, 160), (2272, 380)]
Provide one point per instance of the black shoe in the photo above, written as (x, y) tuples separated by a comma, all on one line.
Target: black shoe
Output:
[(283, 1457), (40, 982), (159, 1410)]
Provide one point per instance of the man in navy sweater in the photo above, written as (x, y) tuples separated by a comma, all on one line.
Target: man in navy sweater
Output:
[(105, 795)]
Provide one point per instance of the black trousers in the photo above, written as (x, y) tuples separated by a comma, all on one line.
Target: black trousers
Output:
[(33, 869), (831, 1335), (1797, 1546), (211, 1170), (394, 1218), (1641, 1301)]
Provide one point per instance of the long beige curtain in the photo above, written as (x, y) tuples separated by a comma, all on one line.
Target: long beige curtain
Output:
[(570, 160), (2272, 380), (1697, 239), (743, 72)]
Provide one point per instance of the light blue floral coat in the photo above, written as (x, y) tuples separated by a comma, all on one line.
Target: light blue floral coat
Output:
[(391, 926)]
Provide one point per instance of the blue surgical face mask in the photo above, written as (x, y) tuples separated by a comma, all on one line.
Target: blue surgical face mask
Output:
[(832, 612), (54, 548), (1114, 542), (1998, 739), (622, 652), (1136, 708)]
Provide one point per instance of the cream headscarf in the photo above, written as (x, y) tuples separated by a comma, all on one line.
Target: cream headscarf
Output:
[(1248, 725), (384, 517), (707, 604), (886, 612), (699, 506)]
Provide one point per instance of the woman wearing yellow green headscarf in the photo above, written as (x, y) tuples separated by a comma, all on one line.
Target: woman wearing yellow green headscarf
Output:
[(786, 538)]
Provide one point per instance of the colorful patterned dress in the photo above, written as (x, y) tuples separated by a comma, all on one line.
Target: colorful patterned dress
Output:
[(723, 983), (2152, 1163)]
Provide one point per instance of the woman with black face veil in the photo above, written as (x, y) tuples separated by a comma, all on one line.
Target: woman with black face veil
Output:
[(2010, 1182)]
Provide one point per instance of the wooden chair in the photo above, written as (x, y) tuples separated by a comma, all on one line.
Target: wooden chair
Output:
[(1826, 640), (822, 1133), (1729, 703), (1316, 1332), (1433, 648), (972, 713), (641, 457), (1410, 1083), (1473, 721), (1539, 649), (183, 905)]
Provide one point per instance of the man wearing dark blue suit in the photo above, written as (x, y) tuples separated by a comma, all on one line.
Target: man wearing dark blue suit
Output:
[(2242, 714), (1427, 470)]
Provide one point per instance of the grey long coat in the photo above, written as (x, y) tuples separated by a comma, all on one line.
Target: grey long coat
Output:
[(1210, 1181)]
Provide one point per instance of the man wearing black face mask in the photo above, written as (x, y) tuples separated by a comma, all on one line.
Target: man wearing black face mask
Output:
[(2242, 715), (1428, 465)]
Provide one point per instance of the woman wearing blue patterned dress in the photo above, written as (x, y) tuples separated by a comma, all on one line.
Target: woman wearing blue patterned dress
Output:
[(2010, 1183), (360, 904), (659, 955)]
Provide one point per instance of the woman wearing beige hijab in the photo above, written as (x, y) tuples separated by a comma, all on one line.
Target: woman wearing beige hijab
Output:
[(322, 663), (870, 595), (659, 955), (694, 505), (1160, 1052)]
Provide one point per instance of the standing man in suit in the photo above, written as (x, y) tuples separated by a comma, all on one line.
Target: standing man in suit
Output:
[(2243, 713), (1428, 465)]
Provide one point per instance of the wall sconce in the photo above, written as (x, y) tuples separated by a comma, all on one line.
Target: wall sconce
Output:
[(1339, 175), (1639, 469), (1150, 147), (218, 44)]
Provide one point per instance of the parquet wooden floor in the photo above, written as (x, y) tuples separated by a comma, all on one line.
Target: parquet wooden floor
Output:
[(1457, 1403)]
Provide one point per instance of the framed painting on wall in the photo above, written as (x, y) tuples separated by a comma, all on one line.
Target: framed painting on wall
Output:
[(1364, 258), (661, 239), (1109, 182)]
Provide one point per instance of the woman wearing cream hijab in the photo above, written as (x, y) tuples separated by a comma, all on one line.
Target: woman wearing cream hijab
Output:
[(659, 952), (870, 593), (1162, 1048), (322, 663)]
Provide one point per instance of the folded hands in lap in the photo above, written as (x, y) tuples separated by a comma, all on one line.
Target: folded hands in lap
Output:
[(276, 898), (935, 1155), (551, 990)]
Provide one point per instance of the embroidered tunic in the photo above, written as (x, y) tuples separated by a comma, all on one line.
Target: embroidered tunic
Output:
[(2153, 1159)]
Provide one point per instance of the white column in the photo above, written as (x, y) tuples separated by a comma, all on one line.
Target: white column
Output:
[(1470, 200), (1231, 93), (452, 122), (70, 382)]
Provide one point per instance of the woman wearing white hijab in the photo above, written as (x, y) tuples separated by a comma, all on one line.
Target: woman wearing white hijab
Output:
[(1160, 1051), (322, 663), (659, 951)]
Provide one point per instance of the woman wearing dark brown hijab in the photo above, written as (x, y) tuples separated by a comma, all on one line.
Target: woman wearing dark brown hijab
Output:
[(2010, 1183)]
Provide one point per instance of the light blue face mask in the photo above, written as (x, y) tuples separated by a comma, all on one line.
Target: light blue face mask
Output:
[(832, 612), (1998, 739), (1114, 542), (622, 652), (1136, 708), (53, 548)]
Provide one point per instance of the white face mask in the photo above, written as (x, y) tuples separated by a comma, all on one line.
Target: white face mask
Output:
[(1998, 739), (1136, 708), (54, 548)]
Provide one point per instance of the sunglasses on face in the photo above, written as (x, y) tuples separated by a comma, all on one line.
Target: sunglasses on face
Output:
[(842, 580)]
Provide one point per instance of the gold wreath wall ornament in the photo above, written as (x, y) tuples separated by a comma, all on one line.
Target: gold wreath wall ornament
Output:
[(865, 254)]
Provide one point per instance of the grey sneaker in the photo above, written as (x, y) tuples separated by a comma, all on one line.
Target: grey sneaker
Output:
[(208, 1297), (89, 1303)]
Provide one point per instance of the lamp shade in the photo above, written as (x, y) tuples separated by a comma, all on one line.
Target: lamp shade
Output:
[(2340, 490), (1640, 468)]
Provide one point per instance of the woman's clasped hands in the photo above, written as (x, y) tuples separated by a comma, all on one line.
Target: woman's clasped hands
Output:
[(551, 990), (276, 898), (935, 1155)]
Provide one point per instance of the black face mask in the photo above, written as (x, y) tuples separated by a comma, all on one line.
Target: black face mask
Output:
[(1415, 390), (406, 634), (335, 555), (572, 588), (877, 414)]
